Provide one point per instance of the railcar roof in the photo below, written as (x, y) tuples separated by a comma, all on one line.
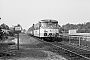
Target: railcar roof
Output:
[(48, 20)]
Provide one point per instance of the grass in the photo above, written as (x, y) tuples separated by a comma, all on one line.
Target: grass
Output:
[(32, 49)]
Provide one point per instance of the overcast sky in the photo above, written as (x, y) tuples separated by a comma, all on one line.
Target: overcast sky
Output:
[(27, 12)]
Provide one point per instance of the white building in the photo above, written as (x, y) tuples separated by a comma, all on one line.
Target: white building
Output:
[(73, 31)]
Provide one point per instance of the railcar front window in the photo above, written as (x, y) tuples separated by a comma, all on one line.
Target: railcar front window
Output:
[(43, 25), (53, 25)]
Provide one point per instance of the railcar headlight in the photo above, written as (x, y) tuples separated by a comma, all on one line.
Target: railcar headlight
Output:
[(45, 34), (50, 34)]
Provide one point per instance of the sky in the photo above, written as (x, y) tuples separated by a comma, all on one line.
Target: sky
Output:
[(28, 12)]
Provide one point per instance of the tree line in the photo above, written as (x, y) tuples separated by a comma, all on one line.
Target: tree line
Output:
[(81, 28)]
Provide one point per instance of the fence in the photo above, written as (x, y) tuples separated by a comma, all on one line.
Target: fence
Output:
[(79, 39)]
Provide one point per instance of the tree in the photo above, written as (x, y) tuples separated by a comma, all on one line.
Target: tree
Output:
[(82, 28), (4, 26)]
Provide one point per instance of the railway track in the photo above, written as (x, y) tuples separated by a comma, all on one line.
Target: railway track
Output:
[(77, 52), (72, 52)]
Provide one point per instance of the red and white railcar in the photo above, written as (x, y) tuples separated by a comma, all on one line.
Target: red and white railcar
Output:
[(46, 28)]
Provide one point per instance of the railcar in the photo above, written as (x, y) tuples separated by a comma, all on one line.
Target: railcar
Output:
[(45, 29)]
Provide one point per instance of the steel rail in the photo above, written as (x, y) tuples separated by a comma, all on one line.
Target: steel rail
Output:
[(71, 52), (66, 50), (77, 47)]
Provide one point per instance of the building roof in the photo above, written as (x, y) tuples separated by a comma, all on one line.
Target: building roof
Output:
[(77, 34), (80, 34)]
